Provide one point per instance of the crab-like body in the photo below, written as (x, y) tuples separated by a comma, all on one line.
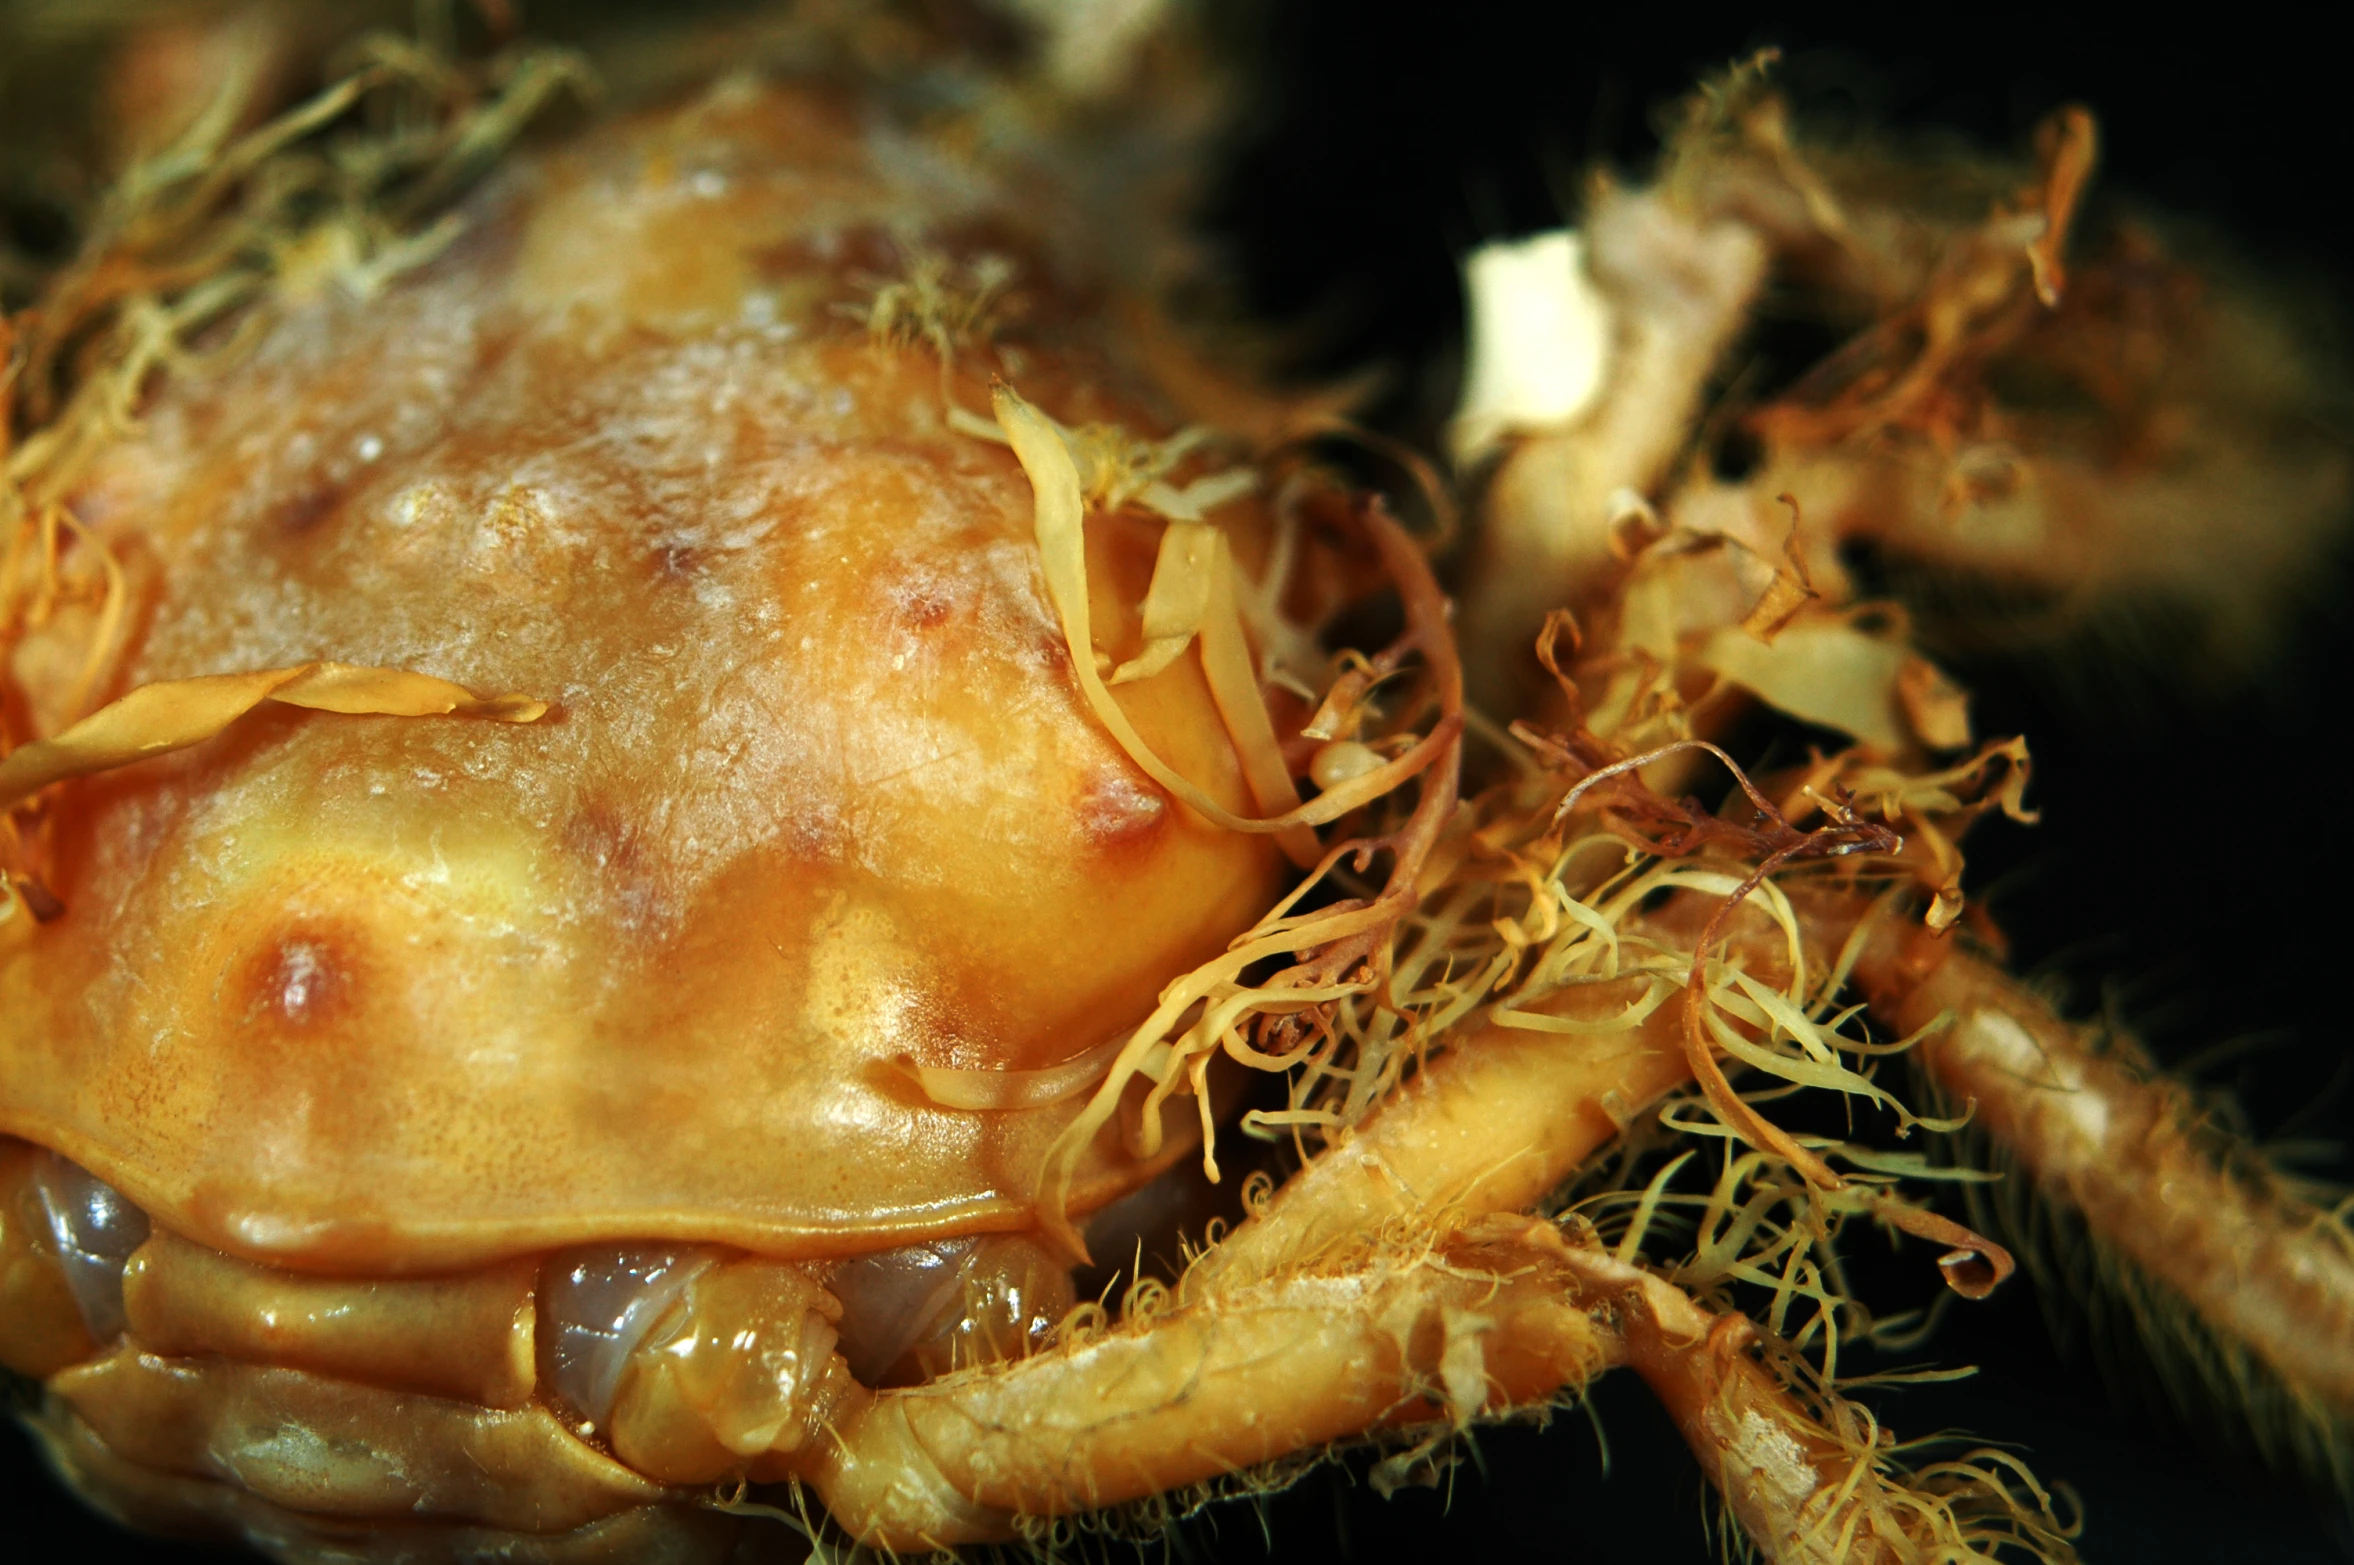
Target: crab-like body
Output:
[(816, 807), (627, 860), (815, 797)]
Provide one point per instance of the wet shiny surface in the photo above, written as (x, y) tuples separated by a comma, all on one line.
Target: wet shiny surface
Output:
[(333, 1448), (599, 1306), (94, 1230), (42, 1324), (891, 1297), (914, 1313), (470, 1336), (738, 1379)]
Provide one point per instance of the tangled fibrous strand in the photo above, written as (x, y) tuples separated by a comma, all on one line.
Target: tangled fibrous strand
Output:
[(1568, 884), (1336, 951), (2077, 403), (1667, 829)]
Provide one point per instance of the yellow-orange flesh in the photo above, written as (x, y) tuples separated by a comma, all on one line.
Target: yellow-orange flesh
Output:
[(818, 795)]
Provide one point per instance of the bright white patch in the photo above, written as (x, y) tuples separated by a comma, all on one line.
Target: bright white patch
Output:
[(1999, 1038), (2069, 1101), (1777, 1458), (1540, 340), (302, 972), (273, 1231), (1463, 1363)]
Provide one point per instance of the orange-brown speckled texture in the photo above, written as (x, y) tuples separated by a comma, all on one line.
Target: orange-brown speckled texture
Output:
[(382, 994)]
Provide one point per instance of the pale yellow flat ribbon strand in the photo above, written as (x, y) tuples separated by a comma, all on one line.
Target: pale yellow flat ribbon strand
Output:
[(177, 713), (1060, 520)]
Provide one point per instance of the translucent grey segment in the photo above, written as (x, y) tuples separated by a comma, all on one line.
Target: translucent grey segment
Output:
[(598, 1305), (890, 1298), (95, 1230)]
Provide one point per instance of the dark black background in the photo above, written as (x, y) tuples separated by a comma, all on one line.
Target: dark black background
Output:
[(2194, 846), (1396, 137)]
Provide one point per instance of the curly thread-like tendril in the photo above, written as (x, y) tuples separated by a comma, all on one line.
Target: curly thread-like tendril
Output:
[(1338, 950), (1973, 1265)]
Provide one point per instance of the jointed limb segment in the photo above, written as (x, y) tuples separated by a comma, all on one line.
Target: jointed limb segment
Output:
[(1505, 1314), (1817, 1486), (1334, 1314), (1494, 1125), (2261, 1268), (1482, 1322), (1391, 1288)]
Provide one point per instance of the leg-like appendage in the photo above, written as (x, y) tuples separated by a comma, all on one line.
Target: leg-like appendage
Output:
[(1305, 1328), (1505, 1314), (1484, 1321), (1505, 1116), (179, 1504), (1807, 1489), (1494, 1125), (2261, 1268), (1677, 287)]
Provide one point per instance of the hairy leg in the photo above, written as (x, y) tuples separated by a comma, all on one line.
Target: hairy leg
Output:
[(1333, 1314), (1480, 1322), (1506, 1313), (2097, 1131)]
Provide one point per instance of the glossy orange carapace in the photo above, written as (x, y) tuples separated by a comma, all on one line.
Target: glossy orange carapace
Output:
[(817, 799)]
